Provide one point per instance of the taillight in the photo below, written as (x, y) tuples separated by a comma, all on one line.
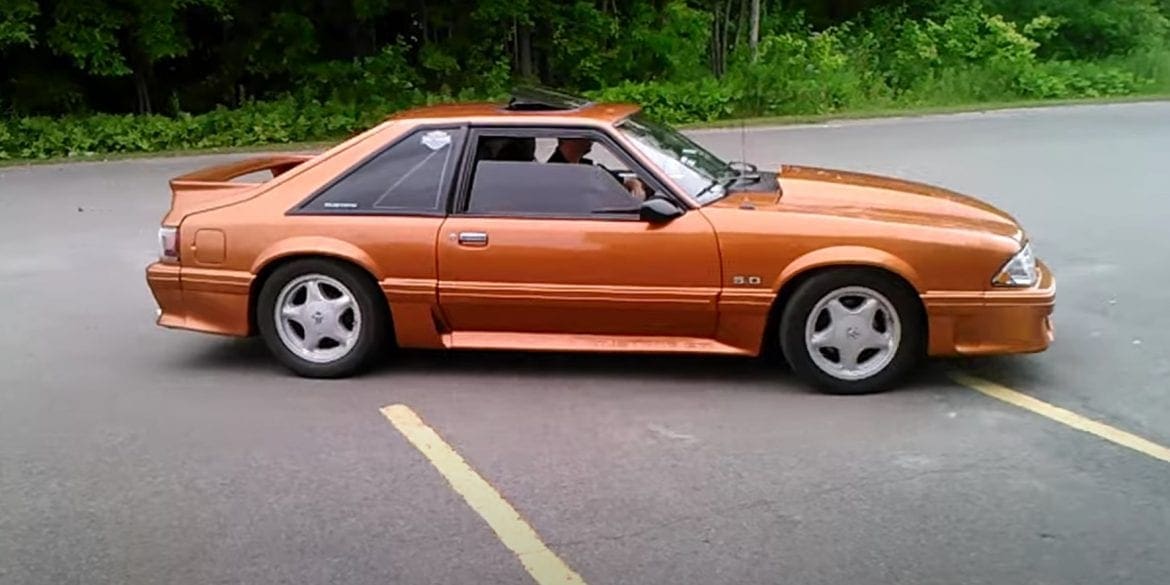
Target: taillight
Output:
[(168, 241)]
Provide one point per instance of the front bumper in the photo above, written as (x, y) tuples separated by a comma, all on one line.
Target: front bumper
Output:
[(992, 322)]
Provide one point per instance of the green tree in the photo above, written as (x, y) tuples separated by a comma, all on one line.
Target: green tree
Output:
[(128, 37)]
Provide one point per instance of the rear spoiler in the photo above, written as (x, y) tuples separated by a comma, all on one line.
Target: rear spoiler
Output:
[(220, 176), (211, 186)]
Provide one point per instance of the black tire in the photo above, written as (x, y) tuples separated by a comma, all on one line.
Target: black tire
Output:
[(905, 304), (372, 336)]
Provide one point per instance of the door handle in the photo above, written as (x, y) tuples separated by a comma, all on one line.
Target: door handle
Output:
[(473, 238)]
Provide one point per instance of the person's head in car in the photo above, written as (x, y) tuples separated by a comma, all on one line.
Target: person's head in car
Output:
[(572, 150)]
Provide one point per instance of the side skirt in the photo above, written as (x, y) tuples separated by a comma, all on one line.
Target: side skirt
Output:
[(594, 343)]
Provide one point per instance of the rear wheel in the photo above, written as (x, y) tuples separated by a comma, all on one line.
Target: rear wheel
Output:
[(321, 318), (852, 331)]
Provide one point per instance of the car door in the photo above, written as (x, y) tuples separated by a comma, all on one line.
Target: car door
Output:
[(540, 247)]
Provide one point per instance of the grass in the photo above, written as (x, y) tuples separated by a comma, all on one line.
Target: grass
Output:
[(729, 123)]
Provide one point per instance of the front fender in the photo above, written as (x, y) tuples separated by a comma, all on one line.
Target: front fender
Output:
[(848, 256), (315, 246)]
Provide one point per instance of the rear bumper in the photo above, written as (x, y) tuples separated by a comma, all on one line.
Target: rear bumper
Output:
[(200, 300), (992, 322), (165, 286)]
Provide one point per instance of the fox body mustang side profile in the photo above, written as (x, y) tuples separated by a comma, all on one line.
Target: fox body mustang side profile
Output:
[(486, 226)]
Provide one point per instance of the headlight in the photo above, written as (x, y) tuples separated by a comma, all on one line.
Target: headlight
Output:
[(1019, 271)]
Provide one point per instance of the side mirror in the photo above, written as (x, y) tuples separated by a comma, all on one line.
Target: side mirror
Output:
[(658, 210)]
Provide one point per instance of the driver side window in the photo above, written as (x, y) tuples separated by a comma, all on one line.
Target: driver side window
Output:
[(570, 176)]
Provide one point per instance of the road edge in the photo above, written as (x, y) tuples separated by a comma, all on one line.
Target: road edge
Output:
[(762, 122)]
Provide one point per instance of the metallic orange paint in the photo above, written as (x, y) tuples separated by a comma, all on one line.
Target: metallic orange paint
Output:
[(586, 277), (992, 322), (601, 284)]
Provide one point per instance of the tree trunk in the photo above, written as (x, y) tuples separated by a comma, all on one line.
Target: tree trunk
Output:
[(525, 42), (741, 23), (754, 40), (423, 22), (142, 90), (726, 35), (717, 44)]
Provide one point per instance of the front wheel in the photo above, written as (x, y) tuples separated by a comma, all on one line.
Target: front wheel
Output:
[(321, 319), (852, 331)]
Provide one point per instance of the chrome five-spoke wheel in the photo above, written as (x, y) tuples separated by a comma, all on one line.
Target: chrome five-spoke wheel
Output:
[(853, 333), (322, 318), (317, 318), (852, 330)]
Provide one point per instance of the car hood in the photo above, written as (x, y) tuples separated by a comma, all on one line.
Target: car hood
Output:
[(823, 191)]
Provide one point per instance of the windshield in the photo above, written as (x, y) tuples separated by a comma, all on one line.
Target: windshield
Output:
[(700, 173)]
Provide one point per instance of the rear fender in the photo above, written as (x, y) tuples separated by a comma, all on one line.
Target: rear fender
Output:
[(316, 246)]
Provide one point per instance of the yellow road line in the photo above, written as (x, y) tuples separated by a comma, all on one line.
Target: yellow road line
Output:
[(516, 534), (1064, 416)]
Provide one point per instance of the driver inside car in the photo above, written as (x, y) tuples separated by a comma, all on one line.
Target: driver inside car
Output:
[(573, 150)]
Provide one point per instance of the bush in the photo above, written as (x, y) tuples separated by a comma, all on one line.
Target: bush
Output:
[(677, 102), (1092, 29), (804, 74), (281, 121), (961, 53), (1067, 79), (383, 80)]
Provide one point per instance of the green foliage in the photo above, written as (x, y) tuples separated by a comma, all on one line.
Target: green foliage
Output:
[(1064, 79), (87, 33), (583, 44), (17, 25), (677, 102), (961, 53), (384, 80), (235, 73), (804, 74), (1092, 29), (108, 38), (673, 43), (279, 121)]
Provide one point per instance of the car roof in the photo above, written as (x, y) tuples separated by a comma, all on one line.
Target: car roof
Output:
[(525, 105)]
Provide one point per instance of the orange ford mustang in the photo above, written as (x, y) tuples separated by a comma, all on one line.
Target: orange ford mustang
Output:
[(553, 223)]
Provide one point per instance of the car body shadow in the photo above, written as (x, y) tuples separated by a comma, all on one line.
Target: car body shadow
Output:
[(1024, 370), (583, 365), (229, 354), (251, 355)]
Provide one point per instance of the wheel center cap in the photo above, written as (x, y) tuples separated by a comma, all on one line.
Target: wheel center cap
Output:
[(853, 332), (318, 313)]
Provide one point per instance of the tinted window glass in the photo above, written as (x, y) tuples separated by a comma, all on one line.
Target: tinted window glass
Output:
[(533, 188), (411, 175)]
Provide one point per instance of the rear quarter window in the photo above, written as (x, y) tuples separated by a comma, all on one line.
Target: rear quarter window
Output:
[(411, 176)]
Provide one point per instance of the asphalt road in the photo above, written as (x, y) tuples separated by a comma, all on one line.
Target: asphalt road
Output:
[(131, 454)]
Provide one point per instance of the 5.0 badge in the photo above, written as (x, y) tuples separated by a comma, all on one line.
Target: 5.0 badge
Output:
[(745, 280)]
